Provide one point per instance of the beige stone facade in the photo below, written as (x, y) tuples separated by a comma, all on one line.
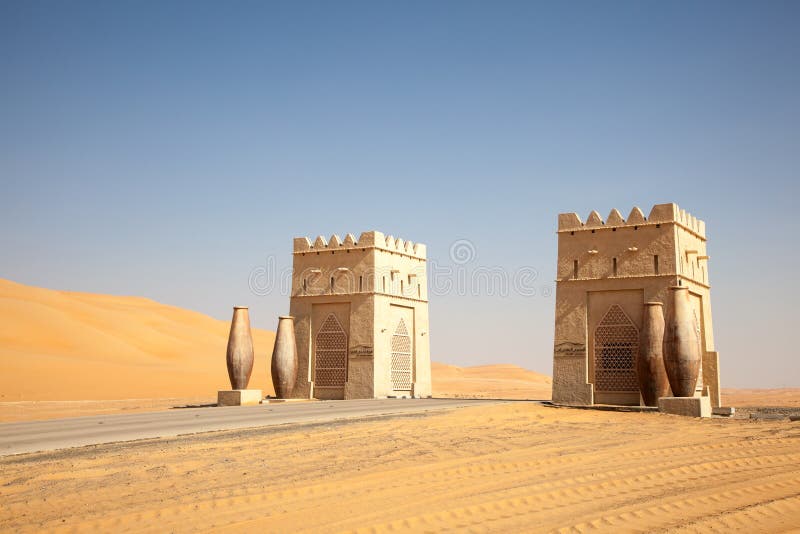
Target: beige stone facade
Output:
[(361, 318), (607, 270)]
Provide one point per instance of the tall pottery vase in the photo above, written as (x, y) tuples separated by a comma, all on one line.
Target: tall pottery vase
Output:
[(284, 358), (240, 349), (650, 369), (681, 347)]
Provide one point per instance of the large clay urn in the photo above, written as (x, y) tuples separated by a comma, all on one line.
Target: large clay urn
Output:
[(240, 348), (650, 369), (284, 358), (681, 347)]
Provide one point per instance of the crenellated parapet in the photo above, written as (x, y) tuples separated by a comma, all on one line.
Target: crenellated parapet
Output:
[(366, 240), (659, 214)]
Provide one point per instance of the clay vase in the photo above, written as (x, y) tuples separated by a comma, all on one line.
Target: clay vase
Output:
[(681, 346), (240, 349), (284, 358), (653, 382)]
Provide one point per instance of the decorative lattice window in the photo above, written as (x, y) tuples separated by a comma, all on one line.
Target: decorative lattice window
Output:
[(401, 358), (616, 344), (700, 380), (330, 356)]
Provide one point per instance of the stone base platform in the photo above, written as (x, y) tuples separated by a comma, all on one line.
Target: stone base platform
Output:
[(725, 411), (239, 397), (601, 407), (688, 406)]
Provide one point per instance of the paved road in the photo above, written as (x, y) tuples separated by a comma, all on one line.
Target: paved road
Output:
[(33, 436)]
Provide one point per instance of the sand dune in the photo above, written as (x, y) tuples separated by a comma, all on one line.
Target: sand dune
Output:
[(62, 345), (500, 381)]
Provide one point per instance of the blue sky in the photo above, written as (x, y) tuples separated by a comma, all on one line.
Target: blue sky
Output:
[(168, 149)]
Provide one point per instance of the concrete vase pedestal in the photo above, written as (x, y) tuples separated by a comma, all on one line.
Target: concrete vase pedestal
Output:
[(239, 359), (688, 406), (239, 397)]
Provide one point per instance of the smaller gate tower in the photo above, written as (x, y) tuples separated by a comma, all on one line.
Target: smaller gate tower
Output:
[(361, 318)]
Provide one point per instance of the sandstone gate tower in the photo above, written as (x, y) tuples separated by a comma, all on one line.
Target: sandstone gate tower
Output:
[(361, 318), (606, 271)]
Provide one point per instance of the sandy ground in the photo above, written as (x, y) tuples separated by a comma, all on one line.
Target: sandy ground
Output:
[(516, 467)]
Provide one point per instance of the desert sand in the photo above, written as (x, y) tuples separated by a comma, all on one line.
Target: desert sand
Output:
[(512, 467), (516, 467)]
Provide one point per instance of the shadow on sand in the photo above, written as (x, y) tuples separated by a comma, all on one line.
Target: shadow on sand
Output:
[(212, 405)]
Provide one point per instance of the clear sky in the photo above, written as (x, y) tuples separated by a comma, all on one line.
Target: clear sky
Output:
[(171, 149)]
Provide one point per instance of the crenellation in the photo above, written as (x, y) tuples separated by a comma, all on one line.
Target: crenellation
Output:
[(370, 239), (615, 218), (660, 213), (594, 220), (635, 216), (302, 244), (569, 221)]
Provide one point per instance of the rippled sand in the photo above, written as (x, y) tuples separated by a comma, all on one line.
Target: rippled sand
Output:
[(517, 467)]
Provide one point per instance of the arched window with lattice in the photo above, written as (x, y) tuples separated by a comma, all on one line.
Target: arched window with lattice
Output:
[(401, 358), (697, 330), (616, 344), (330, 355)]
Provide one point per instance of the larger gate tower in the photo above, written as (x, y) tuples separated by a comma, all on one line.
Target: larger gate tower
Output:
[(607, 270)]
